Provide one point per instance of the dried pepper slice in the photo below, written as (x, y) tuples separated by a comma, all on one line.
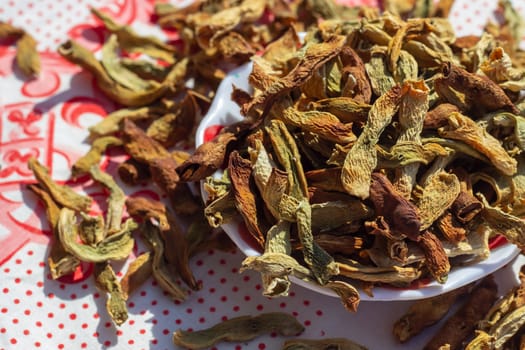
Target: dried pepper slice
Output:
[(412, 112), (118, 246), (426, 312), (151, 235), (315, 55), (173, 246), (178, 122), (138, 272), (209, 156), (478, 91), (63, 195), (61, 263), (132, 42), (116, 200), (458, 327), (120, 74), (74, 52), (239, 329), (240, 171), (27, 57), (463, 128), (361, 160), (93, 156), (106, 281)]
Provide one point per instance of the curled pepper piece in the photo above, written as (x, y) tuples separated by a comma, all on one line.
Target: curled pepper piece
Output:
[(116, 200), (211, 155), (164, 175), (347, 293), (132, 42), (176, 124), (436, 259), (118, 246), (346, 109), (120, 74), (324, 124), (240, 171), (412, 111), (391, 274), (439, 193), (111, 123), (510, 226), (315, 56), (137, 273), (151, 235)]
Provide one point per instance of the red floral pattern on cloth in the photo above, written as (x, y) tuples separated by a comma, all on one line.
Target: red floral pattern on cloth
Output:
[(47, 118)]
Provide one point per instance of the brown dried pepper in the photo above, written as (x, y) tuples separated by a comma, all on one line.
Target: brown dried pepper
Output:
[(424, 313), (400, 213), (460, 325)]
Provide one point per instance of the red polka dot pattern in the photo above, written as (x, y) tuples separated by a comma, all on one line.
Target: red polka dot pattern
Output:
[(49, 21), (37, 312)]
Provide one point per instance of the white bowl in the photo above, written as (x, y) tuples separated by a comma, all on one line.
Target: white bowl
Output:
[(224, 111)]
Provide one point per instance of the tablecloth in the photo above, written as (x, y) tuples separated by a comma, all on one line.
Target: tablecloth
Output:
[(48, 118)]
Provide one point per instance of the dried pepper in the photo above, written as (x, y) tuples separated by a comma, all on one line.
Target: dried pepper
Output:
[(424, 313), (78, 54), (460, 325), (60, 262), (361, 160), (169, 240), (27, 57), (62, 195), (138, 272), (239, 329), (132, 42), (159, 267), (322, 344), (95, 153), (115, 247), (106, 281)]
